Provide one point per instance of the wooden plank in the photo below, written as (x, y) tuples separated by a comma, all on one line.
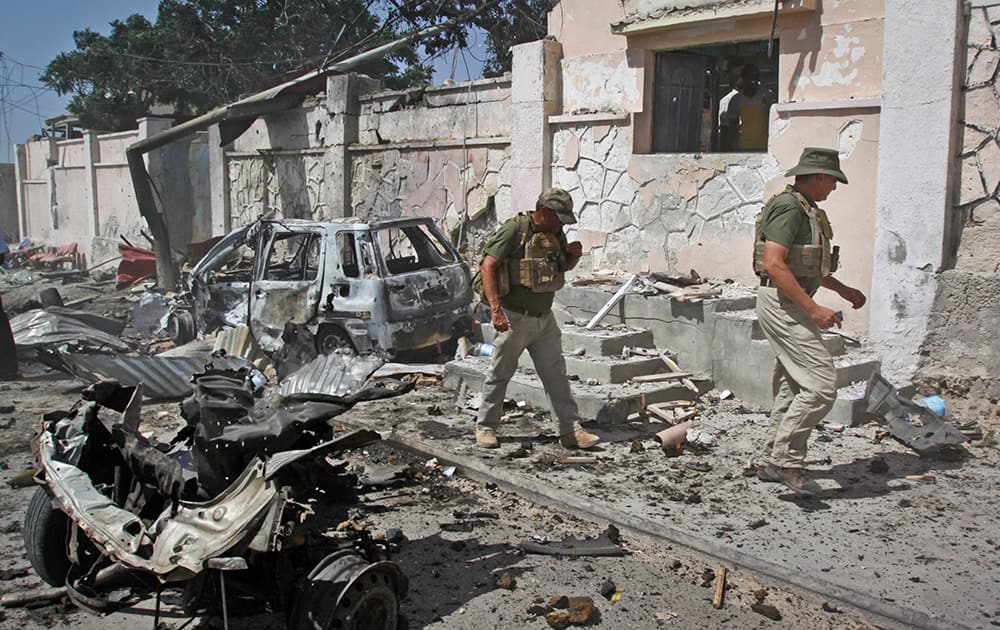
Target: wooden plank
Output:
[(663, 414), (720, 587), (670, 363), (686, 415), (662, 376)]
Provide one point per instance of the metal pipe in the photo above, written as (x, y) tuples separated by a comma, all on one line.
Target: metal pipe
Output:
[(617, 297)]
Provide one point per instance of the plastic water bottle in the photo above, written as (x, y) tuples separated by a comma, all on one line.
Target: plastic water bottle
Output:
[(935, 404), (482, 350)]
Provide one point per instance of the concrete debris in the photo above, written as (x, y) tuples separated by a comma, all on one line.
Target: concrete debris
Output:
[(578, 612), (606, 544), (767, 610), (913, 425), (506, 581)]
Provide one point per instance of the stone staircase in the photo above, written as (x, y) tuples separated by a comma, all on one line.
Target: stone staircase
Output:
[(716, 339), (601, 378)]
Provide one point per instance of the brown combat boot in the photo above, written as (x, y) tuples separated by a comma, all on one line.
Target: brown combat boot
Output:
[(486, 438), (579, 439), (797, 481)]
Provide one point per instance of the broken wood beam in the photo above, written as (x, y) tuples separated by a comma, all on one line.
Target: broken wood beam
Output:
[(662, 376), (670, 363), (720, 587), (661, 413), (684, 416), (686, 382)]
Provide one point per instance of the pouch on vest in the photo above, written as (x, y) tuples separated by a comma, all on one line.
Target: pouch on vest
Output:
[(542, 268), (503, 283), (815, 260)]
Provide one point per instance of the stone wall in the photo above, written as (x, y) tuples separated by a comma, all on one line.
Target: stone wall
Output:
[(441, 152), (961, 354), (656, 212)]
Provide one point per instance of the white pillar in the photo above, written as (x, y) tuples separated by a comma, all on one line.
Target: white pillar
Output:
[(536, 94), (921, 86)]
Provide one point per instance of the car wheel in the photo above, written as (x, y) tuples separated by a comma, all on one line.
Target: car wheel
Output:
[(181, 328), (330, 339), (45, 532), (346, 592)]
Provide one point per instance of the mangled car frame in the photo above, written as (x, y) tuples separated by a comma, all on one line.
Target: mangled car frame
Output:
[(388, 285), (242, 501)]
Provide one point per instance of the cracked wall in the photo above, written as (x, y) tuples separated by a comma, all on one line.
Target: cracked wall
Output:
[(441, 152), (444, 184), (668, 213), (961, 354)]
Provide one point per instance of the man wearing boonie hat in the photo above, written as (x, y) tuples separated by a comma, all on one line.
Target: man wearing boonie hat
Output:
[(523, 266), (793, 257)]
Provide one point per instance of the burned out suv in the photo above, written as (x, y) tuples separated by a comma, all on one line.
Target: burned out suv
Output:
[(387, 285)]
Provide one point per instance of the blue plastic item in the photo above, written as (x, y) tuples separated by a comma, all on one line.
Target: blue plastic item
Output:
[(935, 404)]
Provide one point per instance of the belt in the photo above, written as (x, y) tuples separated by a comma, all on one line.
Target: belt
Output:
[(766, 282), (523, 311)]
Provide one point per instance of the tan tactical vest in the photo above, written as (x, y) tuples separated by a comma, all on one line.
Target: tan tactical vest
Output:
[(816, 260), (543, 266)]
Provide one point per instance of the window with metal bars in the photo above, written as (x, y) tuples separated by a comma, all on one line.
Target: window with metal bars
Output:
[(710, 99)]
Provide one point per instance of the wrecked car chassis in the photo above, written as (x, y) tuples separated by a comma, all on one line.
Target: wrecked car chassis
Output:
[(388, 285), (118, 514)]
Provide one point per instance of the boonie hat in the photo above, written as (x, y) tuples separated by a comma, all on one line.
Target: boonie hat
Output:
[(817, 160), (558, 201)]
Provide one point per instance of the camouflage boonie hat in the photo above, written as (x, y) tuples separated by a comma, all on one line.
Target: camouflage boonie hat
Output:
[(558, 201), (816, 160)]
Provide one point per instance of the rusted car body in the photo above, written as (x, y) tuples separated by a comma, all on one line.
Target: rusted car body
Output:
[(249, 488), (388, 285)]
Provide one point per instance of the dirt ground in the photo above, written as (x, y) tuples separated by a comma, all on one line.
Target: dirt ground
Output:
[(461, 538), (914, 534)]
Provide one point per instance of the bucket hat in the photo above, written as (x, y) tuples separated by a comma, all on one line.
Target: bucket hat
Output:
[(818, 160), (558, 201)]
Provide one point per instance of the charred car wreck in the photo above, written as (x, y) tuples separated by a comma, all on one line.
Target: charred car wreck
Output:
[(241, 501), (384, 286)]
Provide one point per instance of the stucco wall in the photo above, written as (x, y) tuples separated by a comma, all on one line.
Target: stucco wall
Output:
[(676, 212), (80, 191), (8, 203), (441, 152), (962, 351)]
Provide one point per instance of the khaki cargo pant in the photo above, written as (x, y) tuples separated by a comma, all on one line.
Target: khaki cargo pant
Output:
[(541, 337), (804, 381)]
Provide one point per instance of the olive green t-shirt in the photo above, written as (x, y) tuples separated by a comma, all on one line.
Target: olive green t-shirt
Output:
[(505, 245), (785, 222)]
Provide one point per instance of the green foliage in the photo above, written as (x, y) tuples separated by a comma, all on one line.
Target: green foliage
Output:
[(201, 54)]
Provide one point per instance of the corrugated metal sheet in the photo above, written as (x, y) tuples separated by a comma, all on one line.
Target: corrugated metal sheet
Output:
[(161, 377), (55, 326), (334, 374)]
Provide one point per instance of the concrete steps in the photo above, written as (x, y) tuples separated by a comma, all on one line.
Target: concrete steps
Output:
[(607, 403), (743, 361), (719, 338), (599, 375)]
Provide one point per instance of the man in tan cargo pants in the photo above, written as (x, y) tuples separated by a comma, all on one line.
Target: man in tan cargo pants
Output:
[(793, 257), (523, 265)]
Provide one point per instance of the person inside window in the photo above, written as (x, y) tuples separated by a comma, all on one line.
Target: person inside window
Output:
[(743, 114)]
